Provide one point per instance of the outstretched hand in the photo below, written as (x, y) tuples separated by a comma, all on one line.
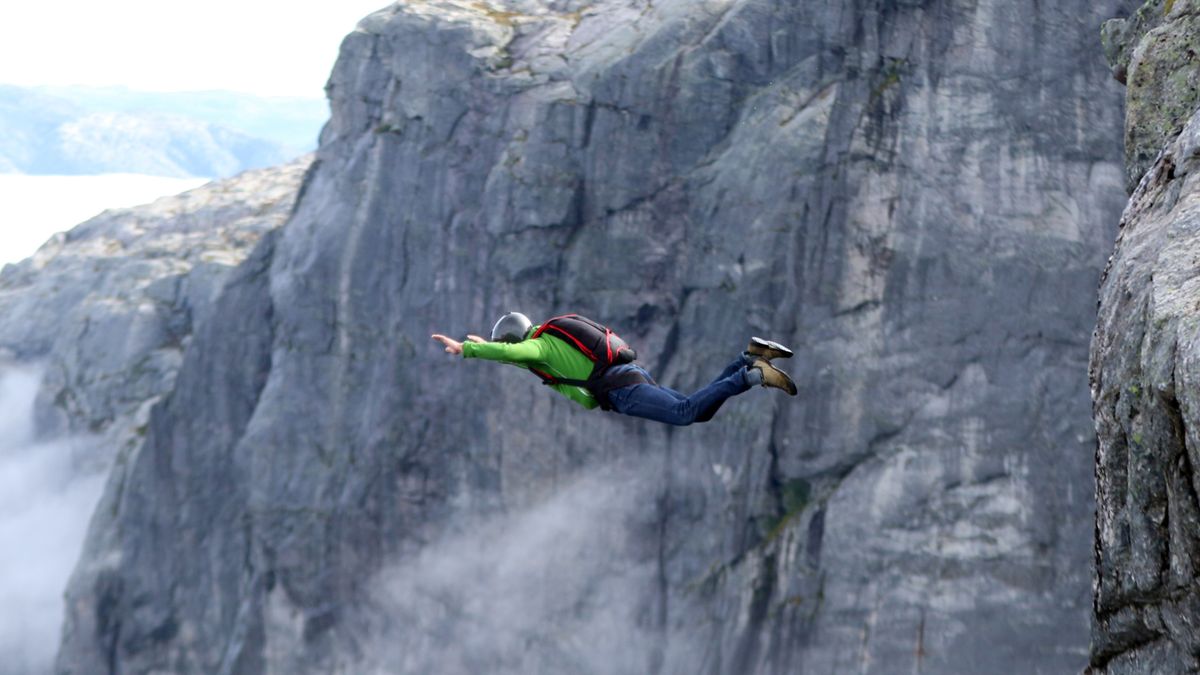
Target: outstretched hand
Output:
[(452, 346)]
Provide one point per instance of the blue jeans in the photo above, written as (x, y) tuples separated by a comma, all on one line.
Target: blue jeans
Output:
[(661, 404)]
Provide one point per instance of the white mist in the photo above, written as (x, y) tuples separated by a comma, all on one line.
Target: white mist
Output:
[(45, 504)]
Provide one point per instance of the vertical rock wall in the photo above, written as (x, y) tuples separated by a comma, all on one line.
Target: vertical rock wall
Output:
[(914, 195), (1143, 364)]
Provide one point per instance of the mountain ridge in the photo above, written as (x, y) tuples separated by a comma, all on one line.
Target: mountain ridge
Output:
[(79, 131)]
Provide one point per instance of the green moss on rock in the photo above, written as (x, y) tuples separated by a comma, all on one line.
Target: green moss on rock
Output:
[(1164, 91), (1120, 37)]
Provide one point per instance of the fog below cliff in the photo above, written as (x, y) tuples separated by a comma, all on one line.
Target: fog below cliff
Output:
[(47, 495), (564, 584)]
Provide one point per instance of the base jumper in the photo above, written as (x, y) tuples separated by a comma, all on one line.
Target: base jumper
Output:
[(589, 364)]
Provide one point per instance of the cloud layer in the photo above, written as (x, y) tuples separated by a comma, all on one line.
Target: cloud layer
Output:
[(567, 585), (45, 504)]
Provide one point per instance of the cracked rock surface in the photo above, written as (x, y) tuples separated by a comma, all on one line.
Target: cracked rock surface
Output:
[(108, 307), (1144, 376), (915, 196), (1156, 54)]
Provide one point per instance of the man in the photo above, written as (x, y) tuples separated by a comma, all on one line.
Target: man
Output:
[(590, 365)]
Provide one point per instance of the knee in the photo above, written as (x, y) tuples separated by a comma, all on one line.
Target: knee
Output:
[(686, 414)]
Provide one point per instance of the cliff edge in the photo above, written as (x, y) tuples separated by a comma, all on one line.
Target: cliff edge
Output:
[(913, 195), (1144, 367)]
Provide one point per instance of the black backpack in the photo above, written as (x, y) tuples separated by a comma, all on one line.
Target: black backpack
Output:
[(603, 348)]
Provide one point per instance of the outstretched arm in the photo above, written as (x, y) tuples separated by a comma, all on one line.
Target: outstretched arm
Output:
[(526, 352), (454, 346)]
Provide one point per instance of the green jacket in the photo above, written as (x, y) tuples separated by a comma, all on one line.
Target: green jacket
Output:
[(548, 354)]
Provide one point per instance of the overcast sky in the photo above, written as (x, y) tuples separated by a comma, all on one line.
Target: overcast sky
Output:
[(266, 47)]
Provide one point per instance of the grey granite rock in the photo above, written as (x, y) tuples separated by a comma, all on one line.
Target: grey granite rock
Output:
[(1148, 517), (1120, 36), (1143, 380), (914, 195), (1157, 54), (109, 306)]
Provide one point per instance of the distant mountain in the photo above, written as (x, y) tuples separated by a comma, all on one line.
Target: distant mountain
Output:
[(291, 121), (77, 130)]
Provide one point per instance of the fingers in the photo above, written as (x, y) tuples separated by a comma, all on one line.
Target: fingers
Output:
[(452, 346)]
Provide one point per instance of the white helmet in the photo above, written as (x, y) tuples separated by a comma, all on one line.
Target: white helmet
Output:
[(511, 327)]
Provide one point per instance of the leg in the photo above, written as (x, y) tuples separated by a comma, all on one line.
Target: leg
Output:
[(736, 366), (670, 407)]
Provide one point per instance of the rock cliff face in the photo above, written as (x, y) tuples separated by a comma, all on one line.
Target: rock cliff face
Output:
[(915, 195), (109, 307), (1144, 366), (99, 318)]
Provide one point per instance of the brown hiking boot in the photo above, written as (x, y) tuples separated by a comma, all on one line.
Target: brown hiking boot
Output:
[(767, 349), (774, 377)]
